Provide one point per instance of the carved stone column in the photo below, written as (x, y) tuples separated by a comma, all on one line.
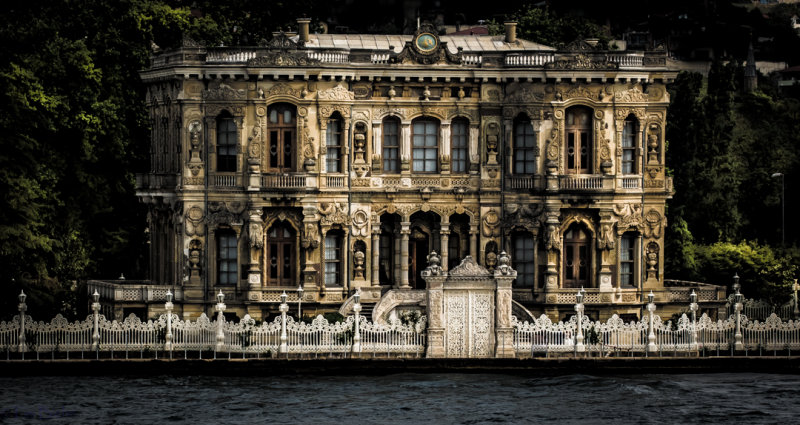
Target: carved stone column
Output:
[(473, 241), (606, 241), (474, 155), (376, 254), (444, 233), (552, 243), (255, 231), (377, 151), (323, 150), (405, 232), (444, 143), (405, 146), (436, 320), (504, 275)]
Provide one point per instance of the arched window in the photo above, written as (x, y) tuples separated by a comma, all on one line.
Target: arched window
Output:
[(425, 145), (627, 259), (579, 140), (333, 144), (282, 137), (280, 255), (333, 259), (226, 143), (524, 147), (577, 257), (227, 265), (459, 139), (523, 258), (391, 145), (629, 136)]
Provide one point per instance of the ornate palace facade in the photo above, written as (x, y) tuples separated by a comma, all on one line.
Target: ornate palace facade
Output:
[(336, 162)]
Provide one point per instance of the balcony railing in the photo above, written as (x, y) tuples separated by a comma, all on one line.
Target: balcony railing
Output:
[(284, 181), (133, 291), (521, 182), (582, 183), (335, 181), (222, 180), (631, 182)]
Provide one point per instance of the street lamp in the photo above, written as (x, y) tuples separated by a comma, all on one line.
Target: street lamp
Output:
[(783, 207), (736, 286)]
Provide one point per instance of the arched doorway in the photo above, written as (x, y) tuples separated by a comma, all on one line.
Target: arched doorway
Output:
[(577, 257)]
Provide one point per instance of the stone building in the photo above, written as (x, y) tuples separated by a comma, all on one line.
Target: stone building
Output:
[(337, 162)]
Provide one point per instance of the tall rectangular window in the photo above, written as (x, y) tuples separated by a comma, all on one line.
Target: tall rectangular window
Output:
[(459, 136), (333, 144), (227, 268), (627, 260), (578, 130), (282, 128), (524, 148), (524, 259), (425, 146), (333, 260), (226, 145), (391, 146), (629, 147)]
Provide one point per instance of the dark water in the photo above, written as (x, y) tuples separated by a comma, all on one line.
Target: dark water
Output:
[(405, 399)]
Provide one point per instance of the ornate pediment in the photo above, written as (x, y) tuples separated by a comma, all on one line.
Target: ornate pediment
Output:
[(426, 48), (281, 40), (469, 268), (223, 92), (335, 93)]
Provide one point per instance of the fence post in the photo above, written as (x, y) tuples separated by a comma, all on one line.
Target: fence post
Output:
[(168, 337), (22, 309), (651, 335), (579, 346), (96, 318), (796, 311), (693, 309), (738, 345), (284, 348), (220, 318), (357, 333)]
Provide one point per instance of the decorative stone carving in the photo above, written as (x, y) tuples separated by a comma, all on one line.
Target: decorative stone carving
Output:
[(426, 48), (335, 213), (358, 264), (607, 236), (524, 95), (523, 214), (434, 265), (310, 238), (225, 212), (223, 91), (552, 238), (469, 268), (655, 222), (360, 143), (360, 221), (504, 268), (255, 230), (309, 150), (581, 61), (629, 216), (194, 222), (633, 94), (492, 137), (281, 89), (282, 59), (491, 224), (652, 260), (195, 254)]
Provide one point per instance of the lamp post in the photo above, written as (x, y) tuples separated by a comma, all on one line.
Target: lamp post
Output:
[(693, 308), (651, 335), (220, 319), (579, 346), (22, 309), (796, 287), (96, 316), (738, 345), (357, 332), (300, 303), (283, 348), (783, 206), (168, 337), (736, 285)]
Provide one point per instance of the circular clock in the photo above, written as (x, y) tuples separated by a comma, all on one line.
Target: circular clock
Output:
[(426, 42)]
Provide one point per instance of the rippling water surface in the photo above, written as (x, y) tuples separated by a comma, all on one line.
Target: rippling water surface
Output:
[(408, 398)]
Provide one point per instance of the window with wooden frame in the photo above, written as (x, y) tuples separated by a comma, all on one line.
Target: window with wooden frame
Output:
[(524, 147), (459, 142), (226, 143), (578, 144), (391, 145), (333, 145), (630, 131), (425, 145), (282, 128)]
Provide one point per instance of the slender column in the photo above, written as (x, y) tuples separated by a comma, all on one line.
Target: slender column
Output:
[(220, 320), (357, 331), (168, 337), (405, 146), (96, 319), (405, 232), (323, 139), (445, 248), (651, 335), (284, 307), (579, 346), (22, 309), (444, 143), (474, 156), (377, 151), (396, 259), (473, 242), (376, 254)]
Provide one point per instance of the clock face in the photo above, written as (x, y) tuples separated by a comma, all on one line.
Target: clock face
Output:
[(426, 42)]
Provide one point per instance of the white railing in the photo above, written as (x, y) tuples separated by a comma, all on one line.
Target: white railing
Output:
[(761, 310), (230, 57), (329, 57), (580, 183), (535, 59), (471, 59), (283, 182), (545, 337), (133, 335), (521, 182), (379, 57), (627, 60), (631, 182)]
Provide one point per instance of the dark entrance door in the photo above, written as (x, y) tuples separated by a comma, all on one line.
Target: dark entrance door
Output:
[(577, 258), (418, 258)]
